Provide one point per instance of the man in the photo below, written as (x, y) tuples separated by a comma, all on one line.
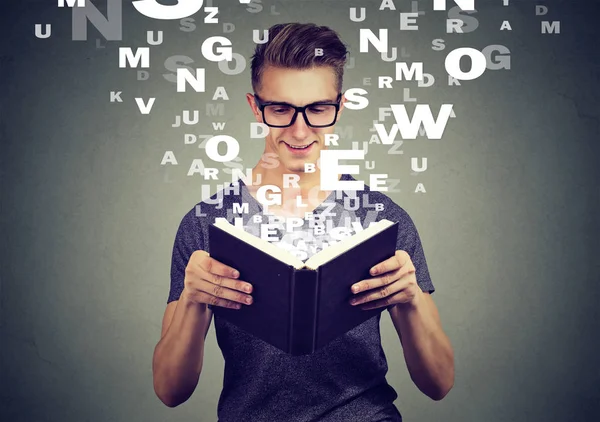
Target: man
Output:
[(298, 95)]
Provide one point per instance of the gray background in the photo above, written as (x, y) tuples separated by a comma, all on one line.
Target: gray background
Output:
[(509, 223)]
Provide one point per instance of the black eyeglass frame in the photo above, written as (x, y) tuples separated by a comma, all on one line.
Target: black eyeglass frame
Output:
[(262, 104)]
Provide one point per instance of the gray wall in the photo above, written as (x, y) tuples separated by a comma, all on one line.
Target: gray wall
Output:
[(509, 222)]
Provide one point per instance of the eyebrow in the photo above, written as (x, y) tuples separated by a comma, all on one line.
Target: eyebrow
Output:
[(328, 101), (324, 101)]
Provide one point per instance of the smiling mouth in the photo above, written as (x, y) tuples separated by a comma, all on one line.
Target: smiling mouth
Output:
[(299, 147)]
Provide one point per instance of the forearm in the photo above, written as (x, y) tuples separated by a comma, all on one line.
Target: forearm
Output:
[(177, 361), (427, 349)]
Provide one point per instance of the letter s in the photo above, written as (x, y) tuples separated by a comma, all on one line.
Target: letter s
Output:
[(354, 95), (154, 10)]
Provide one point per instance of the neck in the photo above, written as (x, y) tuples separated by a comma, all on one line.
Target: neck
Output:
[(299, 193), (288, 180)]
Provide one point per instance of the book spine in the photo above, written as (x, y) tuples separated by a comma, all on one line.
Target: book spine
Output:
[(317, 288), (292, 308), (303, 312)]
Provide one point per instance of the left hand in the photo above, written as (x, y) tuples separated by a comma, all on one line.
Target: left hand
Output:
[(394, 282)]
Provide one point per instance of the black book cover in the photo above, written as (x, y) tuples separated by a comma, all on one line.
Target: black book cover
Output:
[(299, 311)]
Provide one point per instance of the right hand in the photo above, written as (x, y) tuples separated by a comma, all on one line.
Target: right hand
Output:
[(211, 282)]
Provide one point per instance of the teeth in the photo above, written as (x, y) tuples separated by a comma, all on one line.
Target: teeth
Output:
[(304, 147)]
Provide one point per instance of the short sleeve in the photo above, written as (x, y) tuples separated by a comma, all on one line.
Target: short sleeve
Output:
[(187, 240), (409, 241)]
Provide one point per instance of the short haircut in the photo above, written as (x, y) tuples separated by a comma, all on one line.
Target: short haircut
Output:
[(293, 45)]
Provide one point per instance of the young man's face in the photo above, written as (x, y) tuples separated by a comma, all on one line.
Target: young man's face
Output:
[(298, 88)]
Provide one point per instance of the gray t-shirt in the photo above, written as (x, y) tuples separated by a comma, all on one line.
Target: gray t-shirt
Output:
[(345, 380)]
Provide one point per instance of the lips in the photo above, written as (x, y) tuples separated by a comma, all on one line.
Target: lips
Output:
[(299, 149)]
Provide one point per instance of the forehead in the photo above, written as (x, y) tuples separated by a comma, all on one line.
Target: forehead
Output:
[(298, 86)]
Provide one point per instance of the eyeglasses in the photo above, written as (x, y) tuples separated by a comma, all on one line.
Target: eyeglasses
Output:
[(319, 114)]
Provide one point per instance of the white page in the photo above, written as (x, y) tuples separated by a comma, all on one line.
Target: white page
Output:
[(346, 244), (257, 242)]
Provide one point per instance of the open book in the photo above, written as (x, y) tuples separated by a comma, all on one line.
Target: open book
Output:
[(300, 307)]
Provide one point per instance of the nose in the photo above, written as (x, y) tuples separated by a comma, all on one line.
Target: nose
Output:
[(300, 128)]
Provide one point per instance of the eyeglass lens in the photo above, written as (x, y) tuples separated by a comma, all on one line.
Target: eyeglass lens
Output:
[(317, 115)]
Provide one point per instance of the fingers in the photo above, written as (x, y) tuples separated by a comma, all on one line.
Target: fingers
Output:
[(399, 259), (212, 282), (203, 297), (219, 281), (224, 291), (213, 266), (223, 297), (382, 280), (374, 282), (394, 284), (390, 270), (399, 291), (400, 297)]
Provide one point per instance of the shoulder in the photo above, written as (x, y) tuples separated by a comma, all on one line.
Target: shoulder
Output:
[(217, 205), (194, 225)]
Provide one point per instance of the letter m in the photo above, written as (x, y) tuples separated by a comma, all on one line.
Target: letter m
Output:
[(402, 70), (215, 109), (240, 208), (550, 28), (345, 132), (126, 56)]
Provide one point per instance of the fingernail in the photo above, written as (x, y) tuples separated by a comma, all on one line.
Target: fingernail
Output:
[(355, 288), (248, 300), (236, 274), (373, 271), (247, 289)]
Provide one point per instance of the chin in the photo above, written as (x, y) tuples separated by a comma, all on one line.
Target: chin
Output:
[(294, 168)]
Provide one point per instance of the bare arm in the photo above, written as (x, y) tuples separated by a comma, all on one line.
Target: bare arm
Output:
[(427, 350), (178, 356)]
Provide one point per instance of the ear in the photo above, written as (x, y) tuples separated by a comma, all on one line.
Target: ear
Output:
[(254, 107)]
